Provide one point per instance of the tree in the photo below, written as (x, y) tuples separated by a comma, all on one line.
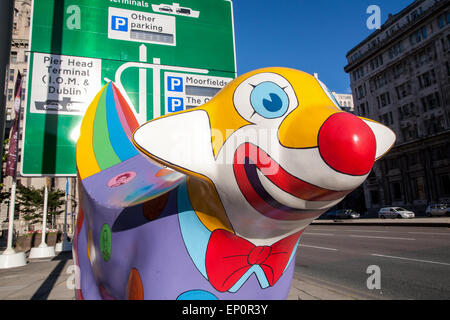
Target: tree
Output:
[(55, 202), (31, 203), (5, 154), (4, 195)]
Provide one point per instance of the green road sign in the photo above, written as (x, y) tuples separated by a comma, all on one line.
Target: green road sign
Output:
[(163, 56)]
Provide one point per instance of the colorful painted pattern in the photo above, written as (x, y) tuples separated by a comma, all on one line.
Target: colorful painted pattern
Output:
[(107, 131), (188, 224)]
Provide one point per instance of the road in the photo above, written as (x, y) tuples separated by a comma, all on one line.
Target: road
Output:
[(414, 262)]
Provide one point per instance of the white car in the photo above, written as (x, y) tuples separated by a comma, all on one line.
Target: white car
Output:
[(438, 209), (395, 212)]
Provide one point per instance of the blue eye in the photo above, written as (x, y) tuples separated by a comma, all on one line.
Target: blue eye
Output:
[(269, 100)]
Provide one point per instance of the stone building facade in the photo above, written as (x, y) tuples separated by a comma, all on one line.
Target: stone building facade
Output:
[(400, 76), (345, 101)]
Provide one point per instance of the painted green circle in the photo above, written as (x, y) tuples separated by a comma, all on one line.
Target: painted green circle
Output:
[(105, 242)]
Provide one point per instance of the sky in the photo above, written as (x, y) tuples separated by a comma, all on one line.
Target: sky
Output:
[(309, 35)]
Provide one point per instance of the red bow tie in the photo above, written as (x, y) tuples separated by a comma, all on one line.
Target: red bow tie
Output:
[(229, 257)]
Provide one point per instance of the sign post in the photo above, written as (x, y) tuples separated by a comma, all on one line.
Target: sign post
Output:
[(163, 57), (43, 250), (143, 46), (10, 258), (65, 245)]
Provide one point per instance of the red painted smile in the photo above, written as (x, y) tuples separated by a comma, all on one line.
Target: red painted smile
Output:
[(250, 158)]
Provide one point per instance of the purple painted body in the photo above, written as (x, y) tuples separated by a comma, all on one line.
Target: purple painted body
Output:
[(155, 248)]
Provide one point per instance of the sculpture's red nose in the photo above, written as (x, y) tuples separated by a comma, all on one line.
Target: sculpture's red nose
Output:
[(347, 144)]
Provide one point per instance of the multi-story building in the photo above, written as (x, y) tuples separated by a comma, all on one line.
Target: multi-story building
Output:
[(19, 54), (19, 62), (345, 101), (400, 77)]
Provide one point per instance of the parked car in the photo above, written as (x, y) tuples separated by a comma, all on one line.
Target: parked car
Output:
[(343, 214), (436, 209), (395, 212)]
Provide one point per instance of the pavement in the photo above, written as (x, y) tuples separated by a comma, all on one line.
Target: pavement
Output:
[(40, 279), (52, 279), (308, 288)]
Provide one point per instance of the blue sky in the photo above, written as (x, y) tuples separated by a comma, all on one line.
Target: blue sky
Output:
[(309, 35)]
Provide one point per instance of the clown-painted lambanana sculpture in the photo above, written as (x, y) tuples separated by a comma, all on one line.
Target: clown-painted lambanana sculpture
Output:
[(211, 202)]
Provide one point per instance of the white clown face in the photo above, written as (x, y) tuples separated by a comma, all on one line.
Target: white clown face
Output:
[(276, 146)]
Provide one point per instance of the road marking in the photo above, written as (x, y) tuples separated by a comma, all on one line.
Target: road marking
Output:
[(319, 234), (323, 248), (367, 231), (409, 259), (387, 238), (446, 234)]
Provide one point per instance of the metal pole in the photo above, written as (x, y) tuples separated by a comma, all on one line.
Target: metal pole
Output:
[(9, 248), (6, 19), (73, 207), (65, 209), (12, 204), (44, 220), (66, 246)]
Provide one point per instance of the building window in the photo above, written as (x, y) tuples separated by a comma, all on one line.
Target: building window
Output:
[(396, 191), (444, 19), (424, 32), (430, 102), (424, 56), (11, 74), (13, 57), (418, 36), (374, 196), (358, 74), (445, 184), (10, 94), (427, 79), (360, 92), (398, 70), (380, 81), (395, 50), (375, 63), (384, 100), (387, 118), (403, 90), (362, 109), (413, 159), (434, 125), (407, 110), (418, 188), (409, 133), (438, 153)]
